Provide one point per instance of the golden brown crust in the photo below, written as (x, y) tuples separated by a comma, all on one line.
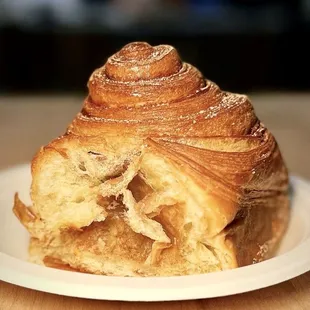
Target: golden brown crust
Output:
[(190, 168), (148, 91)]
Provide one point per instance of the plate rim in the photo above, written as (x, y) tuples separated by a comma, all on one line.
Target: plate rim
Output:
[(217, 284)]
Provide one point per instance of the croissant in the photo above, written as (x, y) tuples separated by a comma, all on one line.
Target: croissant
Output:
[(162, 173)]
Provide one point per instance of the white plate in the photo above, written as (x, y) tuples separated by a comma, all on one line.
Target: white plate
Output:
[(293, 259)]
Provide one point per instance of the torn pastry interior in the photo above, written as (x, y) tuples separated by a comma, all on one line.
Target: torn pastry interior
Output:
[(161, 173)]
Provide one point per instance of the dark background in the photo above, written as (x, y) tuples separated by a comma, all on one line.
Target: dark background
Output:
[(54, 45)]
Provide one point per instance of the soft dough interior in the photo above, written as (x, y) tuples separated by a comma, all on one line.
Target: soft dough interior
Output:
[(113, 213)]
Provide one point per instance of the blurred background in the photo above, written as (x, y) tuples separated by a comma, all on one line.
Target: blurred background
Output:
[(243, 45), (48, 49)]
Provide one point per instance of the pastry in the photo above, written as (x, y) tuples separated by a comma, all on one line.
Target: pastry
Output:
[(162, 173)]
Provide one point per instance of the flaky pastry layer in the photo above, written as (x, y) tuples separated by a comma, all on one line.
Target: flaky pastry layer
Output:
[(161, 173)]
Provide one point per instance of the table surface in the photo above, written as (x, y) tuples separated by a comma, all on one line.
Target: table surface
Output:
[(26, 123)]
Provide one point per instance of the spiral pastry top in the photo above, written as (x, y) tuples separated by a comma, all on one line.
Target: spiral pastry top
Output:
[(150, 91)]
